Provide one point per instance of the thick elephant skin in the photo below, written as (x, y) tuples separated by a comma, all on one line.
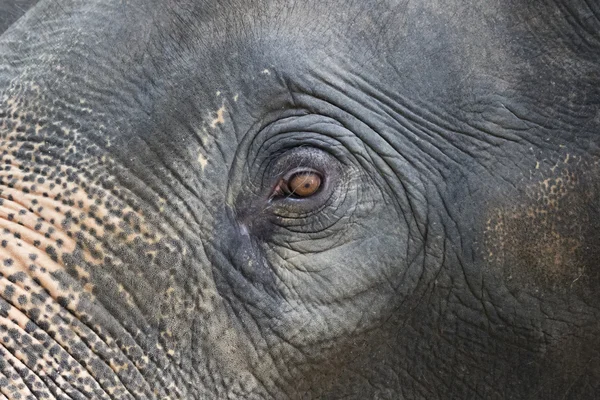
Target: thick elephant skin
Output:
[(285, 199)]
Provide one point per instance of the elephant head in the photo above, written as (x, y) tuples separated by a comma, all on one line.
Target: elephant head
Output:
[(207, 199)]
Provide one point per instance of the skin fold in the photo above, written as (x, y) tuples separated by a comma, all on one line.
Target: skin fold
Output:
[(150, 246)]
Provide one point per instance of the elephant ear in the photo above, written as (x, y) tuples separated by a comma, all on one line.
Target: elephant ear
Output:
[(12, 10)]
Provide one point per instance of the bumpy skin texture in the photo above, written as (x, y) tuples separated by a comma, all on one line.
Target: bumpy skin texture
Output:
[(451, 254)]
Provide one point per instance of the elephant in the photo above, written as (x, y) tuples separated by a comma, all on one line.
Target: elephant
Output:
[(284, 199)]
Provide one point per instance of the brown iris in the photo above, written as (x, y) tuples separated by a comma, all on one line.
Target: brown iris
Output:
[(303, 184)]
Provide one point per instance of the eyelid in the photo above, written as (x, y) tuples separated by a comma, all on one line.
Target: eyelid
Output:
[(289, 174)]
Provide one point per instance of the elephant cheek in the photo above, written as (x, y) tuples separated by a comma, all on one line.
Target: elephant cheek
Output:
[(41, 327), (98, 298)]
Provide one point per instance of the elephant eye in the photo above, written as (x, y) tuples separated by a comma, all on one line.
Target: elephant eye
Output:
[(300, 184)]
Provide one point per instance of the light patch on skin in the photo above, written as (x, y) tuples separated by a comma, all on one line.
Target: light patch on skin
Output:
[(161, 205), (202, 160), (236, 97), (266, 72), (33, 212), (83, 103), (546, 237), (220, 118)]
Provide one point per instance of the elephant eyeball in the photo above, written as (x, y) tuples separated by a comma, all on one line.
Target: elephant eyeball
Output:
[(303, 184)]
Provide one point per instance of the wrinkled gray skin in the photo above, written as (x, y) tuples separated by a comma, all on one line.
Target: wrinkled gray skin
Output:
[(12, 10), (452, 251)]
